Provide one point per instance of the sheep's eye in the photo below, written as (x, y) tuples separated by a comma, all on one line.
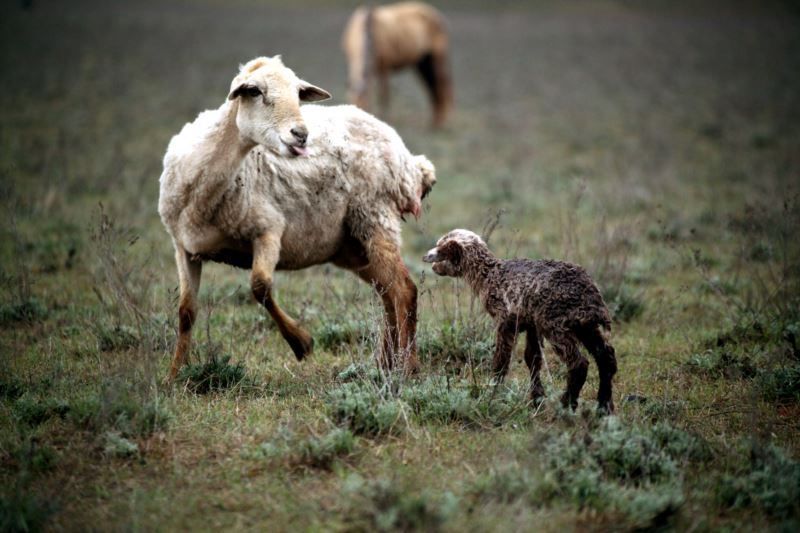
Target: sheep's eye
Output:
[(252, 92)]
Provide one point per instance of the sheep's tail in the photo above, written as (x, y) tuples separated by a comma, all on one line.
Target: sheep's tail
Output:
[(427, 174), (417, 188)]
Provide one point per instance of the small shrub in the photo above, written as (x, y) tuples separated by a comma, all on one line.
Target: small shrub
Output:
[(27, 310), (360, 372), (313, 452), (504, 486), (34, 412), (722, 363), (216, 374), (11, 388), (385, 505), (780, 384), (334, 336), (24, 511), (117, 338), (453, 344), (118, 446), (769, 480), (624, 304), (116, 408), (437, 400), (33, 457), (361, 408), (322, 452)]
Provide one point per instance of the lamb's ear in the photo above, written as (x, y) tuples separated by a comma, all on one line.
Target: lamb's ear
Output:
[(451, 250), (312, 93)]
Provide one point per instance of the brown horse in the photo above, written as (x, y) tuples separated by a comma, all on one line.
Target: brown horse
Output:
[(380, 40)]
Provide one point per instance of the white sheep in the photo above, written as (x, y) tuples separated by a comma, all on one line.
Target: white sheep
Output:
[(262, 183)]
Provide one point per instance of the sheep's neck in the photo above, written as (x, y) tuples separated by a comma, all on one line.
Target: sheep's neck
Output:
[(478, 263), (227, 151)]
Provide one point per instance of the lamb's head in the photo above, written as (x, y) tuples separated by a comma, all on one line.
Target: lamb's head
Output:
[(453, 250), (269, 96)]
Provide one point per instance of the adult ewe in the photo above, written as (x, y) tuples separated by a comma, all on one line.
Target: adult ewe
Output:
[(549, 299), (262, 183), (383, 39)]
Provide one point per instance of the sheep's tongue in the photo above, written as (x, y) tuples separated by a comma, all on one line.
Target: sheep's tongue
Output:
[(299, 150)]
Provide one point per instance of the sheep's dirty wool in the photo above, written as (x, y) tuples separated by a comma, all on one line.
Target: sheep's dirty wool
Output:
[(262, 183)]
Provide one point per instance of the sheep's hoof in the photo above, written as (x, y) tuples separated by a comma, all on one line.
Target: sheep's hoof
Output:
[(301, 346)]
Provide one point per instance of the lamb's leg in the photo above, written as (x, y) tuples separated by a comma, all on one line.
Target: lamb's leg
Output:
[(386, 271), (266, 251), (533, 358), (606, 360), (505, 340), (578, 367), (189, 277)]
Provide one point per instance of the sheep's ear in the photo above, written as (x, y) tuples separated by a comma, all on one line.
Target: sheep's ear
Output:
[(244, 89), (312, 93)]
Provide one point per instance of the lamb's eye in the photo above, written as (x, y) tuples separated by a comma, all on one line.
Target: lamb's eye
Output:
[(252, 92)]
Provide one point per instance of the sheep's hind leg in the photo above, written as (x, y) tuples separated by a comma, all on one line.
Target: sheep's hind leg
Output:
[(533, 358), (606, 360), (386, 271), (266, 251), (578, 367), (189, 275)]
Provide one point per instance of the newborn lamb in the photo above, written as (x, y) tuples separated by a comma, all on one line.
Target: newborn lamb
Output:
[(548, 299)]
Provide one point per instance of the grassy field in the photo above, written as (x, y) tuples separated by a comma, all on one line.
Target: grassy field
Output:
[(655, 144)]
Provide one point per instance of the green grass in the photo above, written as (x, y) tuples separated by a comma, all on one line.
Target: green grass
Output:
[(653, 144)]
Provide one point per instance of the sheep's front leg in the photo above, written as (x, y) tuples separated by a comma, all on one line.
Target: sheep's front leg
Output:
[(389, 275), (505, 340), (533, 358), (266, 252), (189, 276)]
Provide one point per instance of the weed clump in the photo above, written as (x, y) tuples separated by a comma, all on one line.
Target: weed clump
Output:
[(454, 344), (117, 338), (321, 452), (385, 505), (623, 304), (335, 336), (364, 410), (769, 480), (216, 374), (120, 409), (34, 412), (631, 471), (781, 384), (27, 310), (437, 400)]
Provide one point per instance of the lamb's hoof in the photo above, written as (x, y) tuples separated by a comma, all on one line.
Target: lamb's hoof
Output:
[(605, 409), (537, 398), (301, 346), (567, 401)]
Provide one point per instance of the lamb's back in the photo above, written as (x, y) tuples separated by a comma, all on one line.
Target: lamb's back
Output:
[(558, 295)]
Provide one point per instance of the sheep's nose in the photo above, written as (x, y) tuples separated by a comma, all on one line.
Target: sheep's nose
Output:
[(300, 133)]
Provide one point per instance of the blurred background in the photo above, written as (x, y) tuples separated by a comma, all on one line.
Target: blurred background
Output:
[(657, 143)]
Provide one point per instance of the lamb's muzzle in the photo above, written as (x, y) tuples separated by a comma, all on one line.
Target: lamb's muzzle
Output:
[(432, 256)]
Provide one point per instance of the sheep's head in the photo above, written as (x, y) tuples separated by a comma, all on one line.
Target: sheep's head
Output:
[(269, 96), (448, 256)]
